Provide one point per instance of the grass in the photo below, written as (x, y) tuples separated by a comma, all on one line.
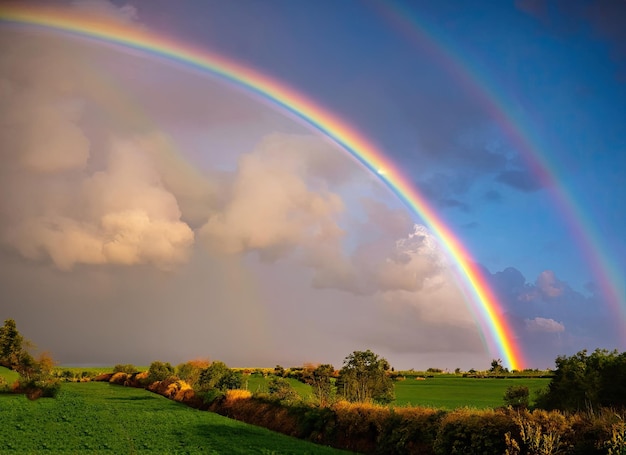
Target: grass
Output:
[(258, 383), (9, 376), (451, 392), (93, 371), (98, 418)]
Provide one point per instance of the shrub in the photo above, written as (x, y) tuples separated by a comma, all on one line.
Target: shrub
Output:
[(159, 371), (190, 371), (469, 431), (119, 378), (125, 368), (516, 397)]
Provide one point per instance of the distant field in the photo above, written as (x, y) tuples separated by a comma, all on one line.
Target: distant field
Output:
[(450, 392), (101, 418), (93, 371), (257, 383)]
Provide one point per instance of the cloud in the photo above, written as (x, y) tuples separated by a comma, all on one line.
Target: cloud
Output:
[(544, 325), (105, 9), (520, 180), (272, 208), (128, 217), (548, 284)]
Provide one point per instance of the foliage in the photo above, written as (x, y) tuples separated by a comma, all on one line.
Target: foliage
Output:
[(587, 382), (279, 371), (616, 445), (534, 438), (497, 368), (214, 380), (468, 431), (11, 344), (517, 396), (159, 371), (321, 384), (281, 389), (190, 371), (363, 378), (125, 368)]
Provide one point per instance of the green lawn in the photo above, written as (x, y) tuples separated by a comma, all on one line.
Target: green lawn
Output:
[(450, 392), (98, 418)]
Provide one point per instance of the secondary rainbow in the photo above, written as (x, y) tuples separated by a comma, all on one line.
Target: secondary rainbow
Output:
[(493, 324), (485, 91)]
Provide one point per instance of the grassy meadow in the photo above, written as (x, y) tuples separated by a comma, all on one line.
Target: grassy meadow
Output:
[(441, 391), (452, 392), (258, 383), (102, 418)]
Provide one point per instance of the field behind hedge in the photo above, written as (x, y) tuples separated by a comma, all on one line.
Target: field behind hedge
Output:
[(102, 418), (453, 392)]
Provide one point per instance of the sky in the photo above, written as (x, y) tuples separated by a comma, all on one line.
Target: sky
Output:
[(154, 211)]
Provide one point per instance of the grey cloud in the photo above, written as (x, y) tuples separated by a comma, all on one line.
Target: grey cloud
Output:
[(520, 180), (544, 325)]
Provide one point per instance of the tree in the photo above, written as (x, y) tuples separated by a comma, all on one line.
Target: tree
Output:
[(219, 376), (363, 378), (320, 381), (497, 368), (11, 344), (282, 390), (585, 381)]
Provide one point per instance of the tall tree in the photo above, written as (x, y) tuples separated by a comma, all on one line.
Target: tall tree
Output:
[(363, 378), (11, 344)]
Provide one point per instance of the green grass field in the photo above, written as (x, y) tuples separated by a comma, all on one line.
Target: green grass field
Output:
[(258, 383), (98, 418), (451, 392)]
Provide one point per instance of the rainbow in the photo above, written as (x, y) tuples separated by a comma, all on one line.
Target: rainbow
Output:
[(495, 328), (476, 83)]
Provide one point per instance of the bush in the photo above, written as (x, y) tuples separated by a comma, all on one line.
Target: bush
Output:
[(38, 388), (159, 371), (517, 396), (190, 371), (125, 368), (467, 431)]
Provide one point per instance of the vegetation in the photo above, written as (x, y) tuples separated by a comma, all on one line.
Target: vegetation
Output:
[(585, 401), (364, 378), (100, 418), (585, 382), (35, 375), (453, 392), (517, 396)]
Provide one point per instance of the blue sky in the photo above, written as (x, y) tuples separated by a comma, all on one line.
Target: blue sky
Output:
[(417, 78)]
